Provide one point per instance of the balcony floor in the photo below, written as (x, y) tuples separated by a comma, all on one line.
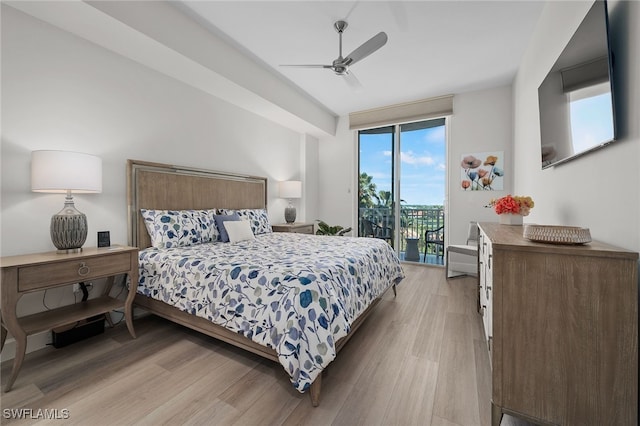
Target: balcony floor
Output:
[(432, 259)]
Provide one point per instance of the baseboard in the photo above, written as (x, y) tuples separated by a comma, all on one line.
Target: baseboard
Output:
[(43, 339), (35, 342), (463, 268)]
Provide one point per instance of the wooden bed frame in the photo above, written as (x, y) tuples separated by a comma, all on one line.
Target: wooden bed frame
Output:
[(162, 186)]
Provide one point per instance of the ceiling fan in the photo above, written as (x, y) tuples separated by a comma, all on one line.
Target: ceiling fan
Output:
[(341, 65)]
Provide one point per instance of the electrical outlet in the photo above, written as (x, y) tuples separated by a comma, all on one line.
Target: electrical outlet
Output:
[(76, 288)]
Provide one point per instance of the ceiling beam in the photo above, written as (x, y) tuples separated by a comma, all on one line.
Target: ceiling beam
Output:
[(161, 37)]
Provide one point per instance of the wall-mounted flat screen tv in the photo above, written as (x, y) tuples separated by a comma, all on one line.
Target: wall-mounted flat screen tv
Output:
[(576, 99)]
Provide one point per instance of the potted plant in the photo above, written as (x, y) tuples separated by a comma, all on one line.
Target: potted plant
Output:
[(325, 229)]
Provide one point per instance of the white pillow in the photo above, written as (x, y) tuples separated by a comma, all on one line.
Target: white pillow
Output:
[(238, 230)]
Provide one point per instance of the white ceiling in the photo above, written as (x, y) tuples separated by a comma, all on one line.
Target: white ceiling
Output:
[(434, 48)]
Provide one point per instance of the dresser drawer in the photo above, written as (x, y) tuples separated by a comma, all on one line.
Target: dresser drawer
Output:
[(71, 271)]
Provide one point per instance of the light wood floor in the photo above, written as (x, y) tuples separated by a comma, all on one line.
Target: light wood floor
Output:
[(419, 359)]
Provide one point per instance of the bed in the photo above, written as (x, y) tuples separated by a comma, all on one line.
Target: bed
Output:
[(292, 298)]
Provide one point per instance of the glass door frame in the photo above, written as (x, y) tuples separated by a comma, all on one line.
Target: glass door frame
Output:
[(395, 177)]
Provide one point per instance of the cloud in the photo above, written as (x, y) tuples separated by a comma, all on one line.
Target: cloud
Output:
[(410, 158), (379, 175)]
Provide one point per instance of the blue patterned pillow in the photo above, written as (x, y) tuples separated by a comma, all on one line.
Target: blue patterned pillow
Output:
[(171, 228), (258, 219), (180, 228), (206, 224)]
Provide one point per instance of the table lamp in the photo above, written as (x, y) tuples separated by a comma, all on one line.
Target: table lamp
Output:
[(66, 172), (290, 189)]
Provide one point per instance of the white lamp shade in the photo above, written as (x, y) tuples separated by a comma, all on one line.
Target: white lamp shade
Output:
[(62, 171), (290, 189)]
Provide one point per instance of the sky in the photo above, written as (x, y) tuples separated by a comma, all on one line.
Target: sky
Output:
[(422, 166), (591, 122)]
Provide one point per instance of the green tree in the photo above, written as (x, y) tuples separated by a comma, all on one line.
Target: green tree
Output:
[(385, 199), (367, 191)]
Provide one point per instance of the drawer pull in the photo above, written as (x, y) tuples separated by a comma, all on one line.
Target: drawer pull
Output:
[(83, 269)]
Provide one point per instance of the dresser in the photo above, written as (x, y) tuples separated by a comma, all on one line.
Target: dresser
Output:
[(561, 323), (42, 271), (297, 227)]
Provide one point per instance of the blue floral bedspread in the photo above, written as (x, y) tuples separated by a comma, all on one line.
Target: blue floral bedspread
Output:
[(297, 294)]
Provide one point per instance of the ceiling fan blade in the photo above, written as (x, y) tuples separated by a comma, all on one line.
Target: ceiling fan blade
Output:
[(307, 66), (352, 81), (366, 49)]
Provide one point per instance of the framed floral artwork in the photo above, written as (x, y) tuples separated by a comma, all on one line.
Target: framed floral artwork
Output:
[(483, 171)]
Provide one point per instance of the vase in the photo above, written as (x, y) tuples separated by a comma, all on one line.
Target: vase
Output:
[(510, 219)]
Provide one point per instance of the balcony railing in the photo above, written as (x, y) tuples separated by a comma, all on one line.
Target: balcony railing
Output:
[(379, 222)]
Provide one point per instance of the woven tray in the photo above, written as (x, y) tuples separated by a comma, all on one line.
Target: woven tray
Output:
[(557, 234)]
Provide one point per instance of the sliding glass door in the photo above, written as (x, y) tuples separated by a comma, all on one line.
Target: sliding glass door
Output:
[(402, 171)]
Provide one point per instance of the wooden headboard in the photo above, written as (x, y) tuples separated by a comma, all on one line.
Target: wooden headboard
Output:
[(166, 187)]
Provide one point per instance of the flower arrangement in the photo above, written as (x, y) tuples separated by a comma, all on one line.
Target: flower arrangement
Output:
[(512, 204)]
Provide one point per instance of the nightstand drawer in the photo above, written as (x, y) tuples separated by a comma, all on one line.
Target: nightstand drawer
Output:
[(72, 271), (304, 229), (298, 228)]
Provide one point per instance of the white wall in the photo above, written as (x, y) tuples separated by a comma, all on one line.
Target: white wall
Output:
[(62, 92), (481, 122), (600, 190), (337, 164), (309, 172)]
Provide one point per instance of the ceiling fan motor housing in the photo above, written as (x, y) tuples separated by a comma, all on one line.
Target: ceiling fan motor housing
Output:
[(339, 66)]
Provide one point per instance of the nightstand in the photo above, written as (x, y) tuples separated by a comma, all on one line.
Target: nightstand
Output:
[(41, 271), (297, 227)]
